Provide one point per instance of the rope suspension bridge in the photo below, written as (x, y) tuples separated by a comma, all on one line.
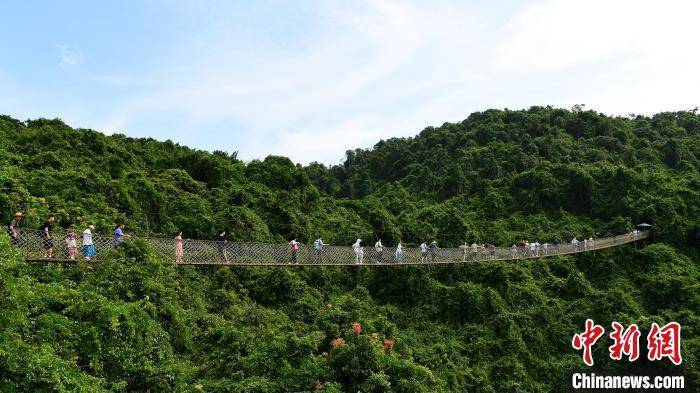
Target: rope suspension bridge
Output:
[(205, 252)]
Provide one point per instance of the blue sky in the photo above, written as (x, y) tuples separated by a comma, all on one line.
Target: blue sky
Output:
[(311, 79)]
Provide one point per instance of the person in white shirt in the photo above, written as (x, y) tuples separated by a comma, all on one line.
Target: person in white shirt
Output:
[(475, 251), (533, 249), (545, 247), (88, 245), (359, 252), (514, 251), (590, 243), (465, 248), (399, 252), (379, 250), (318, 249), (423, 252), (575, 244)]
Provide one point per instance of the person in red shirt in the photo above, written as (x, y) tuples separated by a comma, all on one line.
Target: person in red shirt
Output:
[(294, 248)]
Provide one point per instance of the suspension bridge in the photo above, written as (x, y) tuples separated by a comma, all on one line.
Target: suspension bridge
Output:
[(208, 252)]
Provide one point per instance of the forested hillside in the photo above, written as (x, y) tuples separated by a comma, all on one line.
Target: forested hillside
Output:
[(136, 323)]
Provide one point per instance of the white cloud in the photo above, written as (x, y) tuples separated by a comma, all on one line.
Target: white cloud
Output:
[(314, 143), (373, 67), (558, 34), (112, 80), (345, 76), (620, 56), (70, 56)]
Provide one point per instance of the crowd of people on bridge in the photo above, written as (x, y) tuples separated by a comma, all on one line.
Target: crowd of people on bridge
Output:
[(46, 236), (428, 251)]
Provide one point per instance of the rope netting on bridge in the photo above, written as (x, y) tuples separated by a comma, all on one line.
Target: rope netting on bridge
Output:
[(32, 245)]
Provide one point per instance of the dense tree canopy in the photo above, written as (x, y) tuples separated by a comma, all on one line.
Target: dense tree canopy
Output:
[(135, 323)]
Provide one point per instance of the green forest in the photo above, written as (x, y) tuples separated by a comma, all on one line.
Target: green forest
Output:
[(134, 323)]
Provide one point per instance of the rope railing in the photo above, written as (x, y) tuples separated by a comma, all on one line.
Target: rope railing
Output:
[(207, 252)]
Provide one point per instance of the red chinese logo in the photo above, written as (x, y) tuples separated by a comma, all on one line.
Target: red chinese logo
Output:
[(665, 342), (587, 339), (662, 342), (626, 341)]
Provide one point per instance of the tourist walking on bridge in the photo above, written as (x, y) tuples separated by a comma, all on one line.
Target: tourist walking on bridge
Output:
[(119, 235), (527, 249), (294, 249), (514, 251), (399, 252), (533, 248), (359, 252), (574, 244), (379, 251), (465, 249), (179, 251), (71, 242), (12, 228), (45, 236), (88, 245), (433, 247), (318, 249), (423, 252), (475, 251)]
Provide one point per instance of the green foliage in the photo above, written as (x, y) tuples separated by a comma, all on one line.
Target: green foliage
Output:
[(136, 323)]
